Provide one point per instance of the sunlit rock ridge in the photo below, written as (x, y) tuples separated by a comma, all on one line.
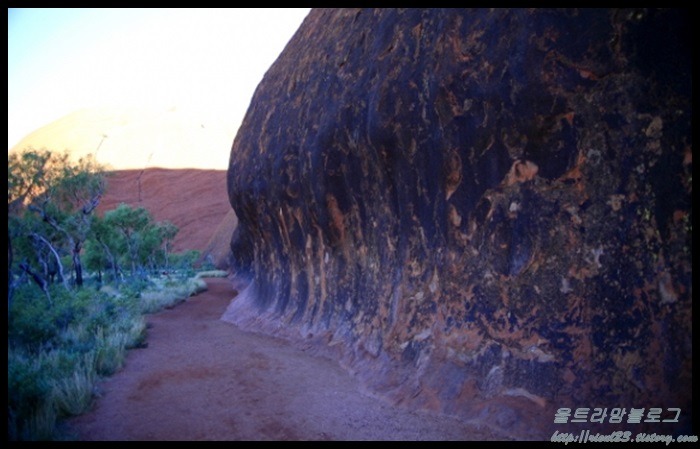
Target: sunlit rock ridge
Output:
[(482, 212)]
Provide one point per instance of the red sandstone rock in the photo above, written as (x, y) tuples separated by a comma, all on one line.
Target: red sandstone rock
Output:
[(193, 200), (485, 212)]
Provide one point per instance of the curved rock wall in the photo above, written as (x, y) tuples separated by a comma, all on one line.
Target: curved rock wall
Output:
[(486, 212)]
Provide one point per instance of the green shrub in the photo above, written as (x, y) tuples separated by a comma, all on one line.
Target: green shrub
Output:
[(72, 393), (184, 262), (57, 350), (110, 352), (45, 386), (32, 321), (28, 405), (39, 425), (134, 286), (135, 330)]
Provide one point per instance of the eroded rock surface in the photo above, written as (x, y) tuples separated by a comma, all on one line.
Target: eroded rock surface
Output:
[(484, 212)]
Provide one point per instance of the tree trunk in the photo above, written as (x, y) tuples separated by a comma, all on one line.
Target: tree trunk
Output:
[(77, 265), (57, 257), (38, 279), (112, 259)]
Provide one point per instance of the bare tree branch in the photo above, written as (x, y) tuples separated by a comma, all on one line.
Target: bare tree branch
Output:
[(55, 253)]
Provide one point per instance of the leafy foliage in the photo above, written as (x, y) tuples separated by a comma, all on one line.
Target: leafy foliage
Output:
[(50, 201)]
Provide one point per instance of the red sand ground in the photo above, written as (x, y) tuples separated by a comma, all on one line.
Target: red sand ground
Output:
[(204, 379)]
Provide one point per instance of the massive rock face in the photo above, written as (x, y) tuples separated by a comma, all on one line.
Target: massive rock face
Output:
[(484, 212)]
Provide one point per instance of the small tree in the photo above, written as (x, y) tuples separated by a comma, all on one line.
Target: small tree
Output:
[(62, 194), (167, 231), (28, 174), (74, 195), (132, 234), (132, 228), (103, 246)]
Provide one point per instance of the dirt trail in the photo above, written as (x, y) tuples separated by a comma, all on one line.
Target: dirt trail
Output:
[(203, 379)]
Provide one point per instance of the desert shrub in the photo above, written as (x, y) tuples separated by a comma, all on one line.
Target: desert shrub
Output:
[(34, 323), (134, 331), (31, 415), (44, 387), (183, 263), (134, 285), (110, 352), (57, 350), (31, 320), (170, 291), (72, 390)]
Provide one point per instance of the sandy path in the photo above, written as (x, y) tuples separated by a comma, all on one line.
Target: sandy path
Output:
[(203, 379)]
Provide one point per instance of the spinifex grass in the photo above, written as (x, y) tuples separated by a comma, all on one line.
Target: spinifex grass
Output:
[(58, 351)]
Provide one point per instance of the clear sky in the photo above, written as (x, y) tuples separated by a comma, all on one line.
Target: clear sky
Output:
[(209, 60)]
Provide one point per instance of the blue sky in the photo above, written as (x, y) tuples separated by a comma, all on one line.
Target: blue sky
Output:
[(207, 60)]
